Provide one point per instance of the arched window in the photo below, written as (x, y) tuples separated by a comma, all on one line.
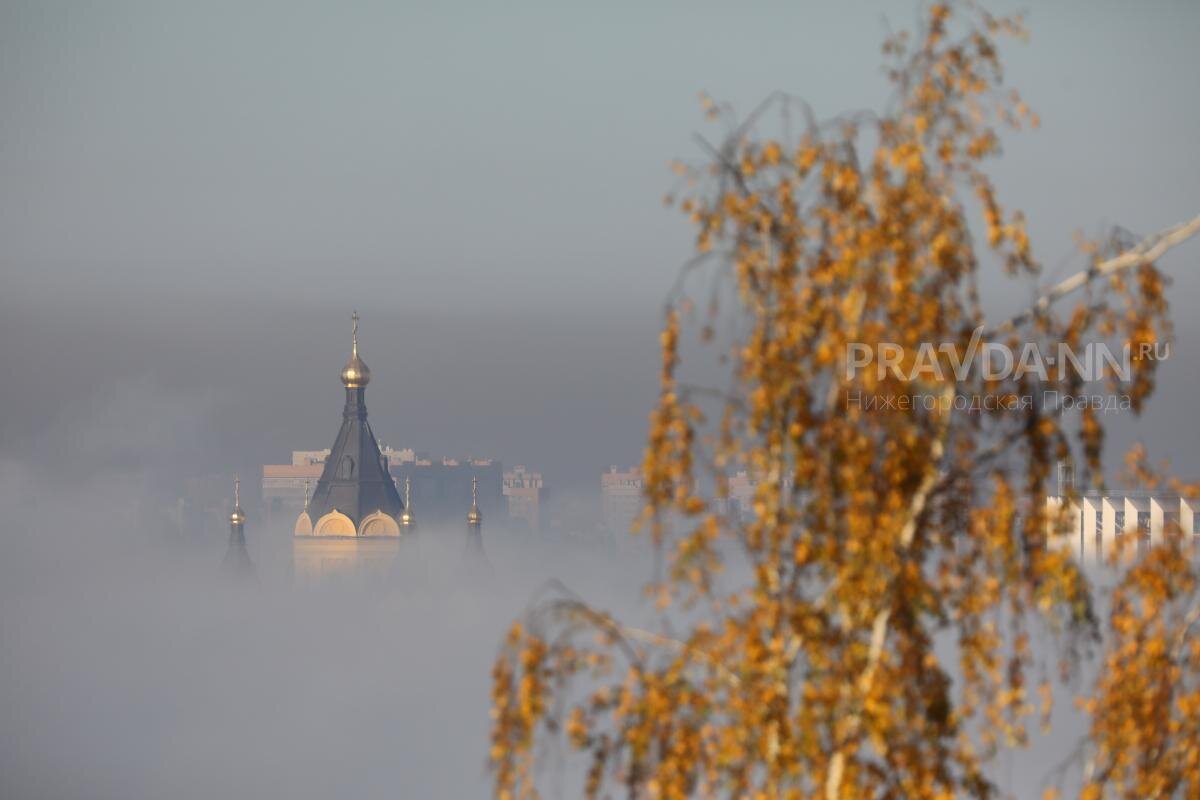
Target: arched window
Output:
[(334, 523), (379, 524)]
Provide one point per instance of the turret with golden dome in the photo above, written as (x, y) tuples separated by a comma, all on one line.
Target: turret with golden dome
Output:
[(237, 560), (356, 374), (475, 565), (474, 518), (355, 496), (407, 521), (237, 517)]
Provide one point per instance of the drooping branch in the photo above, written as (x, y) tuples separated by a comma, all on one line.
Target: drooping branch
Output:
[(685, 648), (1149, 249)]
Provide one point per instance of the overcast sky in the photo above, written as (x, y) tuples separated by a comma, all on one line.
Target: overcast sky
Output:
[(193, 197)]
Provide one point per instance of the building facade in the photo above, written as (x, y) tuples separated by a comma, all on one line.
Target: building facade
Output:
[(441, 488), (1094, 525), (621, 498), (523, 492)]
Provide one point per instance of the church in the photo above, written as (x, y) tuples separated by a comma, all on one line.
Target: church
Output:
[(355, 519)]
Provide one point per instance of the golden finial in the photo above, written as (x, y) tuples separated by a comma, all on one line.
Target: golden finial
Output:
[(306, 494), (355, 374)]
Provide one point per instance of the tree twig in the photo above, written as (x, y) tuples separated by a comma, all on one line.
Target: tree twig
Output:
[(1149, 249)]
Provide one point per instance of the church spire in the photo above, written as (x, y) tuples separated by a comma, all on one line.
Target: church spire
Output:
[(355, 482), (237, 560), (477, 569), (407, 521), (474, 518), (238, 517)]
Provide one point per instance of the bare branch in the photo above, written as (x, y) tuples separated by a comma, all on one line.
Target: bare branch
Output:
[(1149, 249)]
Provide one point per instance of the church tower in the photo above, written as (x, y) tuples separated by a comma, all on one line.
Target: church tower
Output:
[(237, 561), (353, 516), (475, 565), (408, 522)]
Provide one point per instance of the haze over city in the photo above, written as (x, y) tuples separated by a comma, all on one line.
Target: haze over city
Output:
[(195, 198)]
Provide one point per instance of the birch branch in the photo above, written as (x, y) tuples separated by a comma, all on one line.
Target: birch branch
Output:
[(1149, 249)]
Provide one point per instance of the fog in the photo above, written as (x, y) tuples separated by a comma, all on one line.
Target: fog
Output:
[(193, 198), (133, 668)]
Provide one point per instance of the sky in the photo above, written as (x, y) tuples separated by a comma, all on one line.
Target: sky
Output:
[(194, 197)]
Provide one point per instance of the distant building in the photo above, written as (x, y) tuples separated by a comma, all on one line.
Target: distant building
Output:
[(284, 486), (308, 458), (405, 456), (1094, 524), (1097, 523), (621, 503), (523, 490), (743, 486), (741, 494), (441, 488)]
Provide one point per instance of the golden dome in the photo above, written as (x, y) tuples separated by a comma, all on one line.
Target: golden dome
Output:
[(355, 374)]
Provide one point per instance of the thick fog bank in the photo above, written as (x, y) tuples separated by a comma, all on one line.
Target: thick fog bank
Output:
[(131, 667)]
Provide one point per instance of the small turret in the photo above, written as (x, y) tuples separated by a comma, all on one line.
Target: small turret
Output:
[(476, 568), (407, 521), (237, 560), (474, 518)]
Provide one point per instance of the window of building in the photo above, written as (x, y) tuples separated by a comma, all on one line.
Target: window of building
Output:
[(1143, 532)]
